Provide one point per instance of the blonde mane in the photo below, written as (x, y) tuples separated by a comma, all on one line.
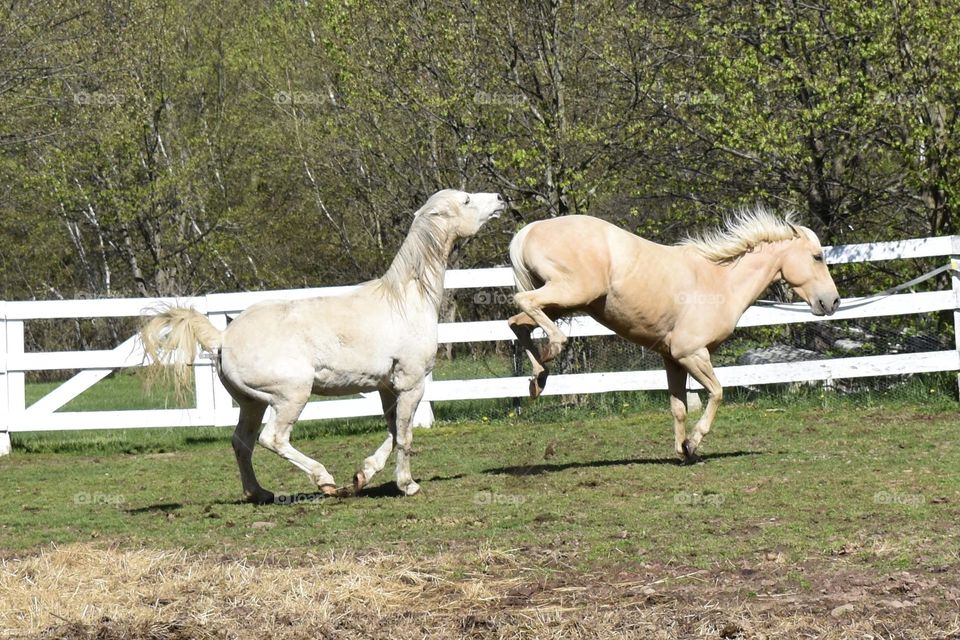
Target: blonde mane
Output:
[(741, 233)]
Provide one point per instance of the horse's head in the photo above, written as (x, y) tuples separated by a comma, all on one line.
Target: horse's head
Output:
[(806, 272), (464, 213)]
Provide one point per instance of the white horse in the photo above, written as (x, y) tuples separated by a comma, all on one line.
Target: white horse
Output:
[(381, 336)]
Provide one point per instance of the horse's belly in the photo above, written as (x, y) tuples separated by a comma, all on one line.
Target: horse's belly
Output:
[(643, 331), (648, 339), (342, 381), (339, 382)]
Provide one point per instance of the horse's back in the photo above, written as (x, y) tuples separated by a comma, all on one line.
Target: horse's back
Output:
[(581, 247), (327, 342), (629, 284)]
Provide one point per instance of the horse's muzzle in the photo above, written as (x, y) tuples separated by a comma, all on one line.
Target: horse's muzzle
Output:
[(826, 307)]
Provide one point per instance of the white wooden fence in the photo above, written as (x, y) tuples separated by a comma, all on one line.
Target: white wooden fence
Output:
[(214, 405)]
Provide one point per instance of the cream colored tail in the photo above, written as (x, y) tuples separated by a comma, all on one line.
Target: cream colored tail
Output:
[(521, 275), (170, 339)]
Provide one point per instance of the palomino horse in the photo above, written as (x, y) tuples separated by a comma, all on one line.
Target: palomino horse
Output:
[(381, 336), (681, 301)]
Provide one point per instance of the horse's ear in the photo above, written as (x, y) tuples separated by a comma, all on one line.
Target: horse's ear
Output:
[(436, 206), (445, 208), (429, 209), (795, 229)]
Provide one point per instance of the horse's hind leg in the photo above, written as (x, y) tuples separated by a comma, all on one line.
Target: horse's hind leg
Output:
[(549, 295), (244, 440), (276, 437), (558, 298), (677, 384), (375, 463), (699, 366), (522, 326)]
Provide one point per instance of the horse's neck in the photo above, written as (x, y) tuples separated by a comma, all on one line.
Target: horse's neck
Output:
[(749, 275), (415, 280)]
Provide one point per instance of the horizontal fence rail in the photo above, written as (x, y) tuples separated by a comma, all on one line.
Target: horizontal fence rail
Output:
[(214, 405)]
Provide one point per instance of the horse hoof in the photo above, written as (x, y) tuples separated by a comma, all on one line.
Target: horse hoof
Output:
[(359, 481), (330, 490), (411, 489), (261, 497), (689, 453), (537, 384)]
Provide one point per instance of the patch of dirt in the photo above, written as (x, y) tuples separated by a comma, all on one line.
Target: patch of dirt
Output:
[(85, 592)]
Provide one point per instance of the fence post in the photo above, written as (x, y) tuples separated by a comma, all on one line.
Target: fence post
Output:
[(15, 382), (423, 417), (222, 400), (955, 282), (5, 446), (203, 383)]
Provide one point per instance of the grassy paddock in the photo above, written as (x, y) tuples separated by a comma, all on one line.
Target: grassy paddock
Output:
[(515, 476), (802, 497)]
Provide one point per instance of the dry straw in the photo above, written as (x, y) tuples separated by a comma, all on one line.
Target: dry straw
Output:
[(83, 591)]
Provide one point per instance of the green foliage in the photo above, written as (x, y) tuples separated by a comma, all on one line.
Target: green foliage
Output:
[(159, 149)]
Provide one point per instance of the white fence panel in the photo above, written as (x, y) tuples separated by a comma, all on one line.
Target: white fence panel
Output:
[(214, 405)]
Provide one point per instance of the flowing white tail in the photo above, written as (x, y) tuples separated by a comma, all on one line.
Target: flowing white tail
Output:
[(170, 339)]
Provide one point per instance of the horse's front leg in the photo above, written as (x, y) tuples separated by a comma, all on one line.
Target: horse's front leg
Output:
[(375, 463), (677, 384), (407, 402), (699, 366)]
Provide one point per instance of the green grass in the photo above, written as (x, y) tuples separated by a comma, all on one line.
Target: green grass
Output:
[(118, 391), (810, 476)]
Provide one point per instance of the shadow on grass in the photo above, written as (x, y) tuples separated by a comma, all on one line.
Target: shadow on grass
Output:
[(165, 507), (205, 439), (385, 490), (538, 469), (280, 500), (456, 476)]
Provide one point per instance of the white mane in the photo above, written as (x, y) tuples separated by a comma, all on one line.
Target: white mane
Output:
[(422, 258)]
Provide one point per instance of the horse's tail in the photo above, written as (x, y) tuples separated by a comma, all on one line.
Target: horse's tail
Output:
[(170, 338), (521, 274)]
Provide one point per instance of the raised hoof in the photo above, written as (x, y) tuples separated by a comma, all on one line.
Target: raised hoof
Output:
[(689, 453), (261, 497), (537, 384), (359, 481)]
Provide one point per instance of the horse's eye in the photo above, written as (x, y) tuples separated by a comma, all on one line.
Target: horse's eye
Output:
[(467, 201), (818, 257)]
